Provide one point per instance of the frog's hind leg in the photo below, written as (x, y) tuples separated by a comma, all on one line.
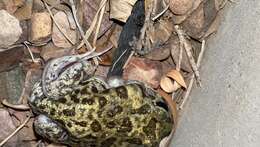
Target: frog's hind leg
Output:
[(50, 130)]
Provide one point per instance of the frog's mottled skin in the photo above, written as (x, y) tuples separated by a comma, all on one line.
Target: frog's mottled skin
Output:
[(91, 116), (87, 113)]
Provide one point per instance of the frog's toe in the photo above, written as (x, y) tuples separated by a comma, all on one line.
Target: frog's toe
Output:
[(49, 129)]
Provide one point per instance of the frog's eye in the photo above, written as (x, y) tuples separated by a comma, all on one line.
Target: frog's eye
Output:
[(162, 105), (53, 76)]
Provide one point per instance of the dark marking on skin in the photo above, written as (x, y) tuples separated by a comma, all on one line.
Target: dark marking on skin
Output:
[(149, 130), (108, 142), (111, 124), (41, 106), (144, 109), (81, 123), (69, 124), (137, 141), (95, 126), (94, 89), (74, 98), (99, 113), (35, 93), (77, 91), (90, 116), (77, 76), (59, 113), (148, 92), (106, 91), (91, 137), (62, 100), (85, 91), (114, 111), (91, 141), (52, 111), (87, 101), (122, 92), (126, 125), (102, 101), (162, 105), (69, 112)]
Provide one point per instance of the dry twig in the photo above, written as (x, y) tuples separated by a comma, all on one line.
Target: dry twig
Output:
[(188, 49), (178, 66), (15, 106), (74, 13), (15, 131), (57, 25), (85, 40), (30, 52), (99, 25), (93, 24), (193, 76), (161, 13)]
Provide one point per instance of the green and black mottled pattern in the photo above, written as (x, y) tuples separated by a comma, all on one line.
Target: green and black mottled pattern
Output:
[(112, 117)]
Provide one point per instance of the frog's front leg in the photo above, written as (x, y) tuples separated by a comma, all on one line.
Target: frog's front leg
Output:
[(50, 130)]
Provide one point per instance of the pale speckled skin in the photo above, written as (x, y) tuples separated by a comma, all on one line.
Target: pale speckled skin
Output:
[(93, 115)]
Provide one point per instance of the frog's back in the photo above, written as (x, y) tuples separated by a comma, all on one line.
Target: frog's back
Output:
[(118, 116)]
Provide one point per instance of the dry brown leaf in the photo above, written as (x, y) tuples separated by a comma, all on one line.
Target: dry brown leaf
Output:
[(176, 75), (161, 31), (167, 84), (159, 53), (121, 9), (90, 9), (181, 7)]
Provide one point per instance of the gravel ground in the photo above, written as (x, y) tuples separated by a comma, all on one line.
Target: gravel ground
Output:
[(226, 111)]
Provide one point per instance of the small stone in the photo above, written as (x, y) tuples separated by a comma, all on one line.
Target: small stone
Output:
[(178, 19), (181, 7), (200, 20), (51, 51), (143, 70), (11, 57), (41, 25), (10, 29), (24, 12), (57, 37)]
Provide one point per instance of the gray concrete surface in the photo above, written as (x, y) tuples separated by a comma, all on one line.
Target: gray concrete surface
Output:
[(226, 111)]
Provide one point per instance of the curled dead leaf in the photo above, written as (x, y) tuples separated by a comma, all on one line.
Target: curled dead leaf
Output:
[(176, 75), (167, 82), (168, 85)]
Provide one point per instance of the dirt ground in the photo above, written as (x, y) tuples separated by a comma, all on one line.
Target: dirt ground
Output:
[(226, 111)]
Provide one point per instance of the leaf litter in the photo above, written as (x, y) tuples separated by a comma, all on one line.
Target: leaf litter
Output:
[(167, 53)]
